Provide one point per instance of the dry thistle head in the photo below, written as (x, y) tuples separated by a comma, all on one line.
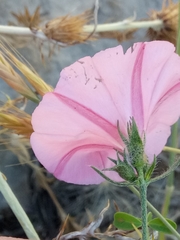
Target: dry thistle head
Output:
[(68, 29), (32, 77), (25, 19), (169, 16), (15, 119)]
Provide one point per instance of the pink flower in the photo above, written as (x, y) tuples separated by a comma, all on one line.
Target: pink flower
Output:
[(75, 126)]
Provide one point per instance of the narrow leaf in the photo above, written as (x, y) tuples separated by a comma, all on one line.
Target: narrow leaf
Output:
[(137, 231), (150, 169), (112, 160), (165, 174), (125, 140), (120, 184)]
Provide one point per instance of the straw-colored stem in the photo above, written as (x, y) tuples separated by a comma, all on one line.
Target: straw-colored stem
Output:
[(121, 25), (171, 149), (17, 209), (124, 25)]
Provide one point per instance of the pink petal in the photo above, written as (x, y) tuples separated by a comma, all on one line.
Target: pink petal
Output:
[(161, 92), (64, 132), (98, 85), (72, 163)]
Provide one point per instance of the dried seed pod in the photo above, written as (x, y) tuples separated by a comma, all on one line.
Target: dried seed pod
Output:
[(169, 16), (68, 29)]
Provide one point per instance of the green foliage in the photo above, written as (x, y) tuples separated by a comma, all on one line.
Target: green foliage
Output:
[(158, 225), (124, 221), (149, 216)]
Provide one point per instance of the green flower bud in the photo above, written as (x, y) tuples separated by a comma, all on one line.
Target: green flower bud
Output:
[(126, 172), (134, 145)]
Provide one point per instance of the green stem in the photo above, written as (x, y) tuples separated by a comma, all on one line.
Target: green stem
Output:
[(17, 209), (158, 214), (174, 143), (143, 197), (170, 179), (168, 194)]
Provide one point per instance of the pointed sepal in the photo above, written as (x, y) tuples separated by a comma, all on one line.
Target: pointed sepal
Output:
[(121, 184), (166, 173), (150, 169)]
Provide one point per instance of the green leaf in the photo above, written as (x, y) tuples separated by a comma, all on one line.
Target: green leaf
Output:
[(112, 160), (125, 140), (124, 221), (158, 225), (149, 216)]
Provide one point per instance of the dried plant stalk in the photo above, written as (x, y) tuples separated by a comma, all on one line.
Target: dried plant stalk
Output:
[(17, 209), (169, 16), (13, 79), (36, 82), (15, 119), (119, 36), (68, 30)]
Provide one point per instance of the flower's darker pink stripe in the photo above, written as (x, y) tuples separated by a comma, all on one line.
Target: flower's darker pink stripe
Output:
[(63, 161), (136, 90), (91, 116), (169, 93), (165, 65)]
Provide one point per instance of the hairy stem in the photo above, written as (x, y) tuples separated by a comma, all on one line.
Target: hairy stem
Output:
[(158, 214), (143, 198)]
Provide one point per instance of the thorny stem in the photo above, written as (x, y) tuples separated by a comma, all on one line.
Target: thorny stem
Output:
[(121, 25), (153, 209), (17, 209)]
